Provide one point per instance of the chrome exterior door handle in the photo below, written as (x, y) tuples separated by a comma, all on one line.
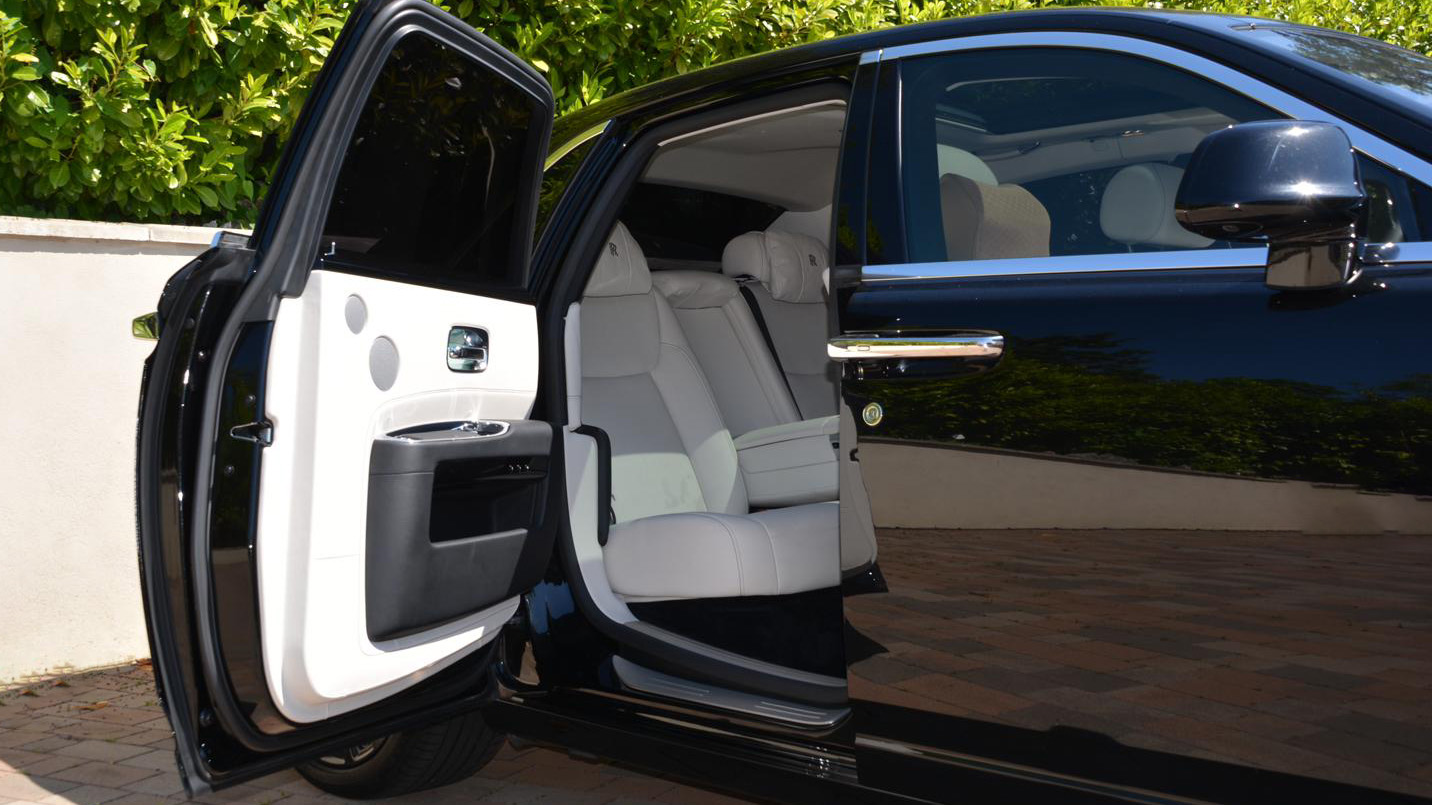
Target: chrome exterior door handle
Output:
[(875, 347)]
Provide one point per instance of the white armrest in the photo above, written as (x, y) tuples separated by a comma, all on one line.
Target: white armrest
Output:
[(786, 465)]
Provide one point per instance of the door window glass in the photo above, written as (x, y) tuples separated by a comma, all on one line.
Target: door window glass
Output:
[(1042, 152), (433, 188), (1051, 151)]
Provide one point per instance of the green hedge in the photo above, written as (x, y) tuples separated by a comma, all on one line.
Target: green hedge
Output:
[(143, 110)]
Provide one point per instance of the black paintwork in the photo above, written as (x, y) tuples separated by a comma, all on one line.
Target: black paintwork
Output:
[(1142, 331), (1273, 180)]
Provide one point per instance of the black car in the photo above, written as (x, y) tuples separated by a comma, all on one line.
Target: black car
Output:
[(1029, 407)]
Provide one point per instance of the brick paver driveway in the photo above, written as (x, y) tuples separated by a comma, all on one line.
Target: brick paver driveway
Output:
[(101, 737)]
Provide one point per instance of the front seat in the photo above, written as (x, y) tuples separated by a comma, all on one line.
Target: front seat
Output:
[(1137, 209), (991, 221), (681, 522)]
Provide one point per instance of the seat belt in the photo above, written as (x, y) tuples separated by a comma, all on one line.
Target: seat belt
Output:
[(743, 282)]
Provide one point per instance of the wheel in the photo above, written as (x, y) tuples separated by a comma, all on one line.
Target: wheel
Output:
[(409, 761)]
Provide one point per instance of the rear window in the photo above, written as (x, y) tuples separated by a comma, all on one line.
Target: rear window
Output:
[(677, 223), (434, 174)]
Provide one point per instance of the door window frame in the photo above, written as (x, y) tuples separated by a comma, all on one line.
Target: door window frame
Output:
[(1277, 100)]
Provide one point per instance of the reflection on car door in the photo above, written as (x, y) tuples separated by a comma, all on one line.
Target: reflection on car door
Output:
[(341, 490), (1176, 537)]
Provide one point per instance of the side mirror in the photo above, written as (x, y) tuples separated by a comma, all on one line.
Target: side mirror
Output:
[(1293, 185)]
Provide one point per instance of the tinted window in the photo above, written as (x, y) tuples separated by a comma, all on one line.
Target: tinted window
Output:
[(1043, 152), (678, 223), (1039, 152), (432, 186)]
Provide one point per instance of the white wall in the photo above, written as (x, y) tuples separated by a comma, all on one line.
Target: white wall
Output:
[(69, 385)]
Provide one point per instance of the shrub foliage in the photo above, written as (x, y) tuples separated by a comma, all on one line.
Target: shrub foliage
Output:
[(173, 110)]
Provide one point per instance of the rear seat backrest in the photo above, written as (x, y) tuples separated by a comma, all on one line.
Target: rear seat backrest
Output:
[(641, 383), (729, 346), (787, 270)]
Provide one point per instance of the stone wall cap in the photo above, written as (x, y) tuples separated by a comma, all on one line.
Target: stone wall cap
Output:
[(68, 229)]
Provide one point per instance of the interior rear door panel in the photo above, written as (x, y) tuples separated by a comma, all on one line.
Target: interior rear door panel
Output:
[(341, 492)]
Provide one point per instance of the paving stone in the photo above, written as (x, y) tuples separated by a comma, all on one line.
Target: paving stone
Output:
[(30, 789), (84, 795), (107, 751), (100, 773)]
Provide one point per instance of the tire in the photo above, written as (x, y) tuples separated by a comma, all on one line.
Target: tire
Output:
[(404, 762)]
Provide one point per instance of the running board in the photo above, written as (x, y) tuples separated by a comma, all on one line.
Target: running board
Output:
[(645, 680)]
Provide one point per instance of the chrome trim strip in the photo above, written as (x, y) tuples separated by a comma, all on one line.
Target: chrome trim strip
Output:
[(572, 144), (875, 347), (1279, 100), (1391, 254), (871, 56), (1253, 257)]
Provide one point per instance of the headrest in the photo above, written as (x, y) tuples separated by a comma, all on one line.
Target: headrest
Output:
[(686, 290), (962, 163), (788, 264), (1138, 208), (621, 270), (989, 222)]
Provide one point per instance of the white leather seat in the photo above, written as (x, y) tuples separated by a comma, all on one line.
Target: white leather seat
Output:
[(683, 527), (788, 272), (729, 346), (991, 221), (1137, 208)]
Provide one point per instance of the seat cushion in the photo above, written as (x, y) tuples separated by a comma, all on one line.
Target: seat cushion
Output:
[(709, 555)]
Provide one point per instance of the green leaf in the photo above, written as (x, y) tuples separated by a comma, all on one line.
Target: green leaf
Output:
[(26, 58), (60, 174), (25, 74), (207, 195), (36, 142)]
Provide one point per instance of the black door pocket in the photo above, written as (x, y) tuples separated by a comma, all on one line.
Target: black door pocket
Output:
[(456, 521)]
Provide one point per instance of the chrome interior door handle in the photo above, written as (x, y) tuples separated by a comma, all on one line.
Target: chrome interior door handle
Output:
[(875, 346)]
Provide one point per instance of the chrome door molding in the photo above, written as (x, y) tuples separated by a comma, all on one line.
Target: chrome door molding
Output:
[(1185, 260)]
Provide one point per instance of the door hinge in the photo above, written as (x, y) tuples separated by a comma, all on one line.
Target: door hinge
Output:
[(260, 432)]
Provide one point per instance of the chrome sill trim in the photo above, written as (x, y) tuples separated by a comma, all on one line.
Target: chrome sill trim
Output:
[(644, 680), (1255, 257), (1277, 99)]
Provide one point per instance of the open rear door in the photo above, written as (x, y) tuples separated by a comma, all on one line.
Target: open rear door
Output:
[(341, 494)]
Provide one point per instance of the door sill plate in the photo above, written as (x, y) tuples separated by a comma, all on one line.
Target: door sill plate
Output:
[(655, 683)]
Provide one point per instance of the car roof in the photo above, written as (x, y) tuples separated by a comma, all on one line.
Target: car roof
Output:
[(1221, 37), (650, 97)]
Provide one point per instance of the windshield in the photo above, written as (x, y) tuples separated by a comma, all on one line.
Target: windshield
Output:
[(1404, 73)]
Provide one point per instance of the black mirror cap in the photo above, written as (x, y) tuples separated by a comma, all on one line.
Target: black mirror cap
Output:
[(1281, 182)]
